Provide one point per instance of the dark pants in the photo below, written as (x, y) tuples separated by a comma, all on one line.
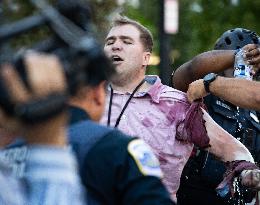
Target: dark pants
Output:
[(188, 195), (199, 180), (196, 187)]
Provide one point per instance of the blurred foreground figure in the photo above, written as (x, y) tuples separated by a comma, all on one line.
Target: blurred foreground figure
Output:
[(203, 171), (51, 174), (141, 105)]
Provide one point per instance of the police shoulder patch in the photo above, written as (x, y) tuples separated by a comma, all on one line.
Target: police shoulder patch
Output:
[(145, 159)]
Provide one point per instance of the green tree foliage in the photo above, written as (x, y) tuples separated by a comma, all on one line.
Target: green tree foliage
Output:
[(201, 22), (13, 10), (212, 18), (101, 13)]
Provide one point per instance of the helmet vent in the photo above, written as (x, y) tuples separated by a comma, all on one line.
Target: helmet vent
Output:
[(255, 40), (236, 38), (241, 38), (227, 40)]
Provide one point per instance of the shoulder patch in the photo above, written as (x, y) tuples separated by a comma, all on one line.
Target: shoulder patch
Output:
[(145, 159)]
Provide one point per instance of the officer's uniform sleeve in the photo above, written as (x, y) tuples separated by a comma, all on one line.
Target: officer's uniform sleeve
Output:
[(123, 170)]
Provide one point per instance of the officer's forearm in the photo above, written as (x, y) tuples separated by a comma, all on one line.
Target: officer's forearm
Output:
[(240, 92), (208, 62)]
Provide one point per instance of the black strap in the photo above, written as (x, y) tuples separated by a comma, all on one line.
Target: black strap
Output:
[(40, 110), (125, 106), (110, 105)]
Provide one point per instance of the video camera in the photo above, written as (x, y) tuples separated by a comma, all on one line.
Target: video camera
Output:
[(71, 41)]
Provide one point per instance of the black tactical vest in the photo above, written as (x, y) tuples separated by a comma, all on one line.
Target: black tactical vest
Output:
[(243, 124)]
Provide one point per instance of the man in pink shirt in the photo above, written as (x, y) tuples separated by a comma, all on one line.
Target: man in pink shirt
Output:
[(141, 105)]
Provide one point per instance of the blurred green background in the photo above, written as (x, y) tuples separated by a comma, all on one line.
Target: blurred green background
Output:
[(201, 22)]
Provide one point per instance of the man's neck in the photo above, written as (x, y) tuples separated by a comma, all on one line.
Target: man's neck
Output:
[(130, 87)]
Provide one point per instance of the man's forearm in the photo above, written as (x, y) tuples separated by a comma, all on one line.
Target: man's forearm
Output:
[(240, 92), (208, 62)]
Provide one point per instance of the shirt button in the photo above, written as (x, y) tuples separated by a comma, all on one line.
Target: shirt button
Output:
[(124, 117)]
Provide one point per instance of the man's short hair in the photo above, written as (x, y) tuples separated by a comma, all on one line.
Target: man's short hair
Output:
[(145, 35), (86, 72), (99, 72)]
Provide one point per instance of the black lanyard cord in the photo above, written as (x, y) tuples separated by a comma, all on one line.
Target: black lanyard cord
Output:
[(110, 105), (125, 106)]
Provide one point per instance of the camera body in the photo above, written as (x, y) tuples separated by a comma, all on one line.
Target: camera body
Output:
[(71, 41)]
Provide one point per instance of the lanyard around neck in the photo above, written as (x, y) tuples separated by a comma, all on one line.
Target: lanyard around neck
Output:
[(125, 106)]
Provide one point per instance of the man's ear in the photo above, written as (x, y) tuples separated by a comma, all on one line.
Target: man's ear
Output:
[(99, 100), (146, 58), (92, 99), (99, 94)]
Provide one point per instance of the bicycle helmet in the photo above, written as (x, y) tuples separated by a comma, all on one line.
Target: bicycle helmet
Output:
[(236, 38)]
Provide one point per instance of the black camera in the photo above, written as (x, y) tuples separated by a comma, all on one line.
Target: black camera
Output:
[(71, 41)]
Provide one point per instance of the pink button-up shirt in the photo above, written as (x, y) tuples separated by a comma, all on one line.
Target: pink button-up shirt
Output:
[(155, 116)]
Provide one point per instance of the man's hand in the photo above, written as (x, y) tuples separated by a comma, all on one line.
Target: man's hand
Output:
[(252, 56), (45, 76), (196, 90), (251, 178)]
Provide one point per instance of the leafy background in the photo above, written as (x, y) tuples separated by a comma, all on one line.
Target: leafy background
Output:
[(201, 22)]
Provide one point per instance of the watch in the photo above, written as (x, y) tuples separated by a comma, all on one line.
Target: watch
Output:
[(209, 78)]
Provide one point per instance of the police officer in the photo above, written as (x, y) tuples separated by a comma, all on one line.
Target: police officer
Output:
[(115, 168), (203, 172)]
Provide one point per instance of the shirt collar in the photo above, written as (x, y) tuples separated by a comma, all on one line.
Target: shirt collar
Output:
[(77, 115), (154, 91)]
